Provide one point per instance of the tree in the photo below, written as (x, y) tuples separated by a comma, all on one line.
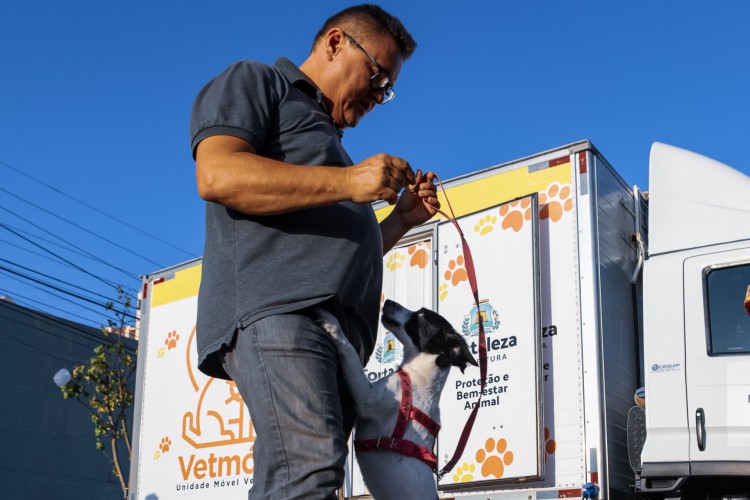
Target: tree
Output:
[(104, 386)]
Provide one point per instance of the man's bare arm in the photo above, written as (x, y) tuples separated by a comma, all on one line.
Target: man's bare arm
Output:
[(229, 172)]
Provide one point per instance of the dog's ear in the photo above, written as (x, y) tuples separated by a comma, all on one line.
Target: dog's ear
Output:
[(462, 356), (458, 355)]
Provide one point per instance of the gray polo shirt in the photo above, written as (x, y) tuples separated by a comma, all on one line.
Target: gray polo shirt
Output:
[(257, 266)]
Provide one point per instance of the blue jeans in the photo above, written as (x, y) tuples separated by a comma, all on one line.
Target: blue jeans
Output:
[(286, 369)]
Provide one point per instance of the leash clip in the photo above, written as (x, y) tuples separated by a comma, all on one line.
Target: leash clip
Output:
[(391, 446)]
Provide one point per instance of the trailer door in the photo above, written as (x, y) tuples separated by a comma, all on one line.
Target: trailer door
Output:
[(505, 445), (717, 357)]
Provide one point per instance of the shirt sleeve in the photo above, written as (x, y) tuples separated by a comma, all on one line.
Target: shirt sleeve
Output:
[(240, 102)]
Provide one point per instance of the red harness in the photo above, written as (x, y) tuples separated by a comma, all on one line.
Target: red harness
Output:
[(396, 441)]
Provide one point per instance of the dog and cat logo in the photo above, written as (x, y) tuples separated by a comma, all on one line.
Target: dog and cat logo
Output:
[(215, 418)]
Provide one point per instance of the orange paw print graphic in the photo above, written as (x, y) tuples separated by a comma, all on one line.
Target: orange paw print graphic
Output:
[(485, 225), (165, 444), (514, 213), (494, 457), (456, 272), (171, 340), (395, 260), (554, 202), (464, 473), (420, 255), (549, 444)]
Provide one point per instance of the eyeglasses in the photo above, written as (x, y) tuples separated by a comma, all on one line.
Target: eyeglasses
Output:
[(380, 80)]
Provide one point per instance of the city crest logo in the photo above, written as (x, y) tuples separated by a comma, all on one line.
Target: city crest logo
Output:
[(389, 350), (485, 313)]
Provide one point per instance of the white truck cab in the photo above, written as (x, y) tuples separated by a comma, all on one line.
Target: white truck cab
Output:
[(696, 327)]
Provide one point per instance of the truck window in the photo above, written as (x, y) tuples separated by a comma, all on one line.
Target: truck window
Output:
[(728, 321)]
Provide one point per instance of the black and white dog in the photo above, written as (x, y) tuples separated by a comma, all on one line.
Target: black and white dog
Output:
[(398, 416)]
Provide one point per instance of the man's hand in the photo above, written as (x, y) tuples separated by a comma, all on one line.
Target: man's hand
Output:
[(380, 177), (418, 203)]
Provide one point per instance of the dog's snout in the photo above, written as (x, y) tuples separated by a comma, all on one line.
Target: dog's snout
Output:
[(394, 314), (391, 307)]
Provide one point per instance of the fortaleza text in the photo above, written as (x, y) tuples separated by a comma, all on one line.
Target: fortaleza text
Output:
[(494, 344)]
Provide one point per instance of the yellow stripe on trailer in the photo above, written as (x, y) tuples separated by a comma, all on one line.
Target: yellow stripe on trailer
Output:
[(483, 193), (184, 284)]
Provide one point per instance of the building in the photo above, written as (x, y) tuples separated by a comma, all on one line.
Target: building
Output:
[(48, 448), (127, 331)]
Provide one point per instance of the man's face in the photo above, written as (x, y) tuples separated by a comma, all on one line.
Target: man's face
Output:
[(352, 94)]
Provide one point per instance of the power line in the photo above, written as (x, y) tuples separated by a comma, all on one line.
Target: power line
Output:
[(31, 285), (92, 323), (57, 279), (130, 275), (132, 291), (35, 253), (92, 233), (27, 300), (67, 292), (68, 247), (61, 323), (66, 324), (96, 209), (41, 315), (81, 334), (113, 285)]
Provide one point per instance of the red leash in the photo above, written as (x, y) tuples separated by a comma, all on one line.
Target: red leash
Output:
[(482, 340)]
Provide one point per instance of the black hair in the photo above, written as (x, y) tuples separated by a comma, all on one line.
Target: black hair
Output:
[(368, 20)]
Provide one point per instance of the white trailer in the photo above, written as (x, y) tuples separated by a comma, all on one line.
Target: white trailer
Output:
[(559, 242)]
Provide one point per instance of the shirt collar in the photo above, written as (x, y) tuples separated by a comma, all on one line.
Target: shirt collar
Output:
[(300, 80)]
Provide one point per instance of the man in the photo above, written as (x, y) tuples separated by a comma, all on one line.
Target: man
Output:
[(289, 228)]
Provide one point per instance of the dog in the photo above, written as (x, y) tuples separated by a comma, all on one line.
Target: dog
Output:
[(398, 416)]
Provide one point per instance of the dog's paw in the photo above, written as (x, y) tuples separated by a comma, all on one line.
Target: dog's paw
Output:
[(331, 328), (329, 323)]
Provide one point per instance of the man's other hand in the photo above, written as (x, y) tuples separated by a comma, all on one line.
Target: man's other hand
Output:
[(379, 177), (419, 202)]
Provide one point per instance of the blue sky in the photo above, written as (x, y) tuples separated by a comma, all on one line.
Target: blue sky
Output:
[(96, 99)]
